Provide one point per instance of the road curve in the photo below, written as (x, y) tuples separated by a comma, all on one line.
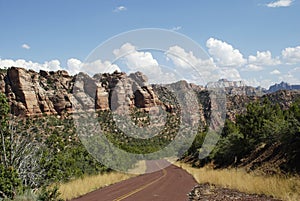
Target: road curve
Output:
[(169, 184)]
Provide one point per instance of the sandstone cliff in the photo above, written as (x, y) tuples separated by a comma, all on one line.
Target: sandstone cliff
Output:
[(57, 93), (31, 93)]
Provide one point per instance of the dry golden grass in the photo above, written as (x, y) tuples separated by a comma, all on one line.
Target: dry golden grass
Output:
[(87, 184), (277, 186)]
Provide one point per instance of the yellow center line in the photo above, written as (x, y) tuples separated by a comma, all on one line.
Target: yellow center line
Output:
[(142, 187)]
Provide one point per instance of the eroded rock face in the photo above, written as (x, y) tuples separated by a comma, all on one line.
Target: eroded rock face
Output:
[(2, 83), (22, 85), (102, 97), (31, 93)]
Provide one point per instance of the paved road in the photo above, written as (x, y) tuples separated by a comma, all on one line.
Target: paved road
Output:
[(169, 184)]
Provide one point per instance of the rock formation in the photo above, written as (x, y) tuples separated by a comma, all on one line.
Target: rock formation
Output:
[(31, 93), (57, 93)]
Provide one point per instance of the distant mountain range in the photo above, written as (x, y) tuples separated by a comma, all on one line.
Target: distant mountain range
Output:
[(240, 88), (283, 86)]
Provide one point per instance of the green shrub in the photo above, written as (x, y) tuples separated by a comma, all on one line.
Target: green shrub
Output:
[(49, 194), (9, 182)]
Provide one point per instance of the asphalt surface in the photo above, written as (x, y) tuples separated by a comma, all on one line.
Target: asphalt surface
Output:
[(169, 184)]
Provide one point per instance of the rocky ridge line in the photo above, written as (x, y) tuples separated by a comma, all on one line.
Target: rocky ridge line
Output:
[(57, 93)]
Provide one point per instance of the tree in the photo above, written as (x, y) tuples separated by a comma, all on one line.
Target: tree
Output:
[(232, 146), (4, 109), (9, 180), (290, 137), (19, 161)]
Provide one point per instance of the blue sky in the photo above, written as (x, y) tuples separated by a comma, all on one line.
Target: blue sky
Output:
[(61, 33)]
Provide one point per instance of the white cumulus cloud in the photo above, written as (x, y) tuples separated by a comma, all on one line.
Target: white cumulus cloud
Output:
[(224, 54), (192, 67), (185, 59), (291, 55), (52, 65), (99, 66), (25, 46), (75, 66), (280, 3), (125, 49), (230, 74), (136, 60), (263, 59)]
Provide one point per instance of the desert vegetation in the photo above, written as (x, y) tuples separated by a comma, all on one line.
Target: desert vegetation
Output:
[(86, 184), (258, 152), (39, 152), (264, 134), (42, 158), (278, 186)]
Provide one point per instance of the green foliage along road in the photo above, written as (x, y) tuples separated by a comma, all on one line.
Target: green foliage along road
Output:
[(264, 124), (40, 152), (37, 152)]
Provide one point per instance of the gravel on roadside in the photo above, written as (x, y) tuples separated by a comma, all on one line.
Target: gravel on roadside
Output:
[(210, 192)]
